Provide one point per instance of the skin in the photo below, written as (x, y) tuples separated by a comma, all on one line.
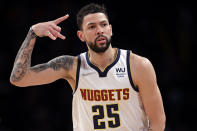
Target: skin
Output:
[(94, 25), (144, 78), (65, 67)]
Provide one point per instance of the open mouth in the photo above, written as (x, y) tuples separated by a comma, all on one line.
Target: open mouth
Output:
[(101, 40)]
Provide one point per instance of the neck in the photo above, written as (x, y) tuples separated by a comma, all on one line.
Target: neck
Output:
[(102, 60)]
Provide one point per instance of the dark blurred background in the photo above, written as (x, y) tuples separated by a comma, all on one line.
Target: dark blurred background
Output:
[(162, 31)]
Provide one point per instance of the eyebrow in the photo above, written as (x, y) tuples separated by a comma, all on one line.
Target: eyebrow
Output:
[(91, 23)]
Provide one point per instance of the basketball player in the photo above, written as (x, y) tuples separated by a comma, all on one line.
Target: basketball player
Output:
[(113, 89)]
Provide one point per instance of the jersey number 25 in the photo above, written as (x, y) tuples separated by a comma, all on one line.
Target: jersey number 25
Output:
[(111, 113)]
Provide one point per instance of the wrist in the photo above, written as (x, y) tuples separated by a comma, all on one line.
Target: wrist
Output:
[(32, 33)]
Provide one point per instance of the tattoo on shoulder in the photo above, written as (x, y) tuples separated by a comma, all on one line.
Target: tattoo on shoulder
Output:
[(39, 68), (65, 62)]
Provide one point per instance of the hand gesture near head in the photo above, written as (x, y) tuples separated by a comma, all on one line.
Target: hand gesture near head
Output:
[(50, 28)]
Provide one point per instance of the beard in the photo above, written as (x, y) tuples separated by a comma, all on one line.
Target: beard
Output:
[(100, 48)]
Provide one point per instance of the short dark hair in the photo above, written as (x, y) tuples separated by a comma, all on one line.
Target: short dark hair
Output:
[(89, 9)]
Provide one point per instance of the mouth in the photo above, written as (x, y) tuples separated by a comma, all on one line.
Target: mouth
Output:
[(101, 40)]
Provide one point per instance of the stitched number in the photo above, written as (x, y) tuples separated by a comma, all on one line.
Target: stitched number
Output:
[(111, 113), (99, 109)]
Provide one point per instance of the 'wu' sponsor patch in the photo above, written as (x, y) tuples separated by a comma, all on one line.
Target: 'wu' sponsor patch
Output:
[(120, 72)]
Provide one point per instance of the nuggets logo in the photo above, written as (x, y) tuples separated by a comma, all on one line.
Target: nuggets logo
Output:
[(105, 95)]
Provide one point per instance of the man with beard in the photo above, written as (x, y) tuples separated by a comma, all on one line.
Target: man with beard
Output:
[(113, 89)]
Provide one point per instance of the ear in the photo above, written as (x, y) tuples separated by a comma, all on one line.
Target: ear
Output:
[(111, 29), (80, 35)]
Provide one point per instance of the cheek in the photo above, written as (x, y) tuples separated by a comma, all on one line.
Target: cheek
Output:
[(89, 37)]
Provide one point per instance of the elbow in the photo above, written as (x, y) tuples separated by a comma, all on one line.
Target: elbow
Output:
[(17, 83), (12, 81)]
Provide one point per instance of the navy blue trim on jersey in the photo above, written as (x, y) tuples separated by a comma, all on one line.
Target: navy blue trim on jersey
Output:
[(104, 73), (77, 73), (129, 71)]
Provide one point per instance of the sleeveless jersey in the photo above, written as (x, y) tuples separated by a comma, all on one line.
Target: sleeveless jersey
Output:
[(107, 100)]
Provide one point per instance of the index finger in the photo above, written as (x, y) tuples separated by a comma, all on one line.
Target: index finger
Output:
[(59, 20)]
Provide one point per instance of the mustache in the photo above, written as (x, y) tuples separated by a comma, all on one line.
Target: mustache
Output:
[(100, 36)]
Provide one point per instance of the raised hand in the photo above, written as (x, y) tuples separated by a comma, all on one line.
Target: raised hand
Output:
[(50, 28)]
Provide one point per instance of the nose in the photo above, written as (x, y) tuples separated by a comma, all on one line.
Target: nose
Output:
[(99, 30)]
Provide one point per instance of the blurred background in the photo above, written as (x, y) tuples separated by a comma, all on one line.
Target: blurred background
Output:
[(162, 31)]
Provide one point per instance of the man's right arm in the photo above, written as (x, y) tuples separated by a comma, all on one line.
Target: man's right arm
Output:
[(61, 67), (57, 68)]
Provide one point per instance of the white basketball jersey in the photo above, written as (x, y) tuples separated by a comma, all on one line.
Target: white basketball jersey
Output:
[(107, 100)]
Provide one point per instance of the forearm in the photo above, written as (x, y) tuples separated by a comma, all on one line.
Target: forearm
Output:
[(23, 58), (158, 126)]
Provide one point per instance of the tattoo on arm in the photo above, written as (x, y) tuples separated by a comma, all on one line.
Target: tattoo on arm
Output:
[(64, 62), (23, 58)]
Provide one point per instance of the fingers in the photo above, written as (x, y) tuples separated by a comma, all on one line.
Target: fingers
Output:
[(59, 20), (57, 28), (61, 36), (50, 35), (52, 30), (53, 33)]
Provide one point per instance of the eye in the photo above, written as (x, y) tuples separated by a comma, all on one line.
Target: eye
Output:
[(104, 24), (91, 27)]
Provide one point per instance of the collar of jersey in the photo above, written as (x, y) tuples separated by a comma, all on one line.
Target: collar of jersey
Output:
[(103, 73)]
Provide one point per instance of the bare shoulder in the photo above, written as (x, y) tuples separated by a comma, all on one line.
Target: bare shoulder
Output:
[(140, 61), (141, 69)]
